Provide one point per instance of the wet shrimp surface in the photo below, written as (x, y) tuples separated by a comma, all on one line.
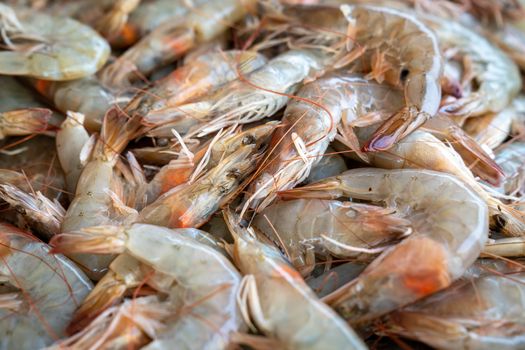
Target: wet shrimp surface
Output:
[(245, 174)]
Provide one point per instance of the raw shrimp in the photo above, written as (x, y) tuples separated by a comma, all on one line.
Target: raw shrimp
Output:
[(26, 121), (403, 52), (280, 302), (93, 204), (43, 215), (70, 140), (496, 76), (258, 95), (125, 273), (86, 96), (192, 204), (174, 38), (506, 247), (48, 288), (49, 47), (484, 312), (197, 77), (305, 228), (309, 124), (450, 224), (113, 22), (206, 307), (207, 157)]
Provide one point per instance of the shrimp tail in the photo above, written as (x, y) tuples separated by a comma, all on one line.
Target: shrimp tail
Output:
[(396, 128), (107, 292), (94, 240), (25, 121), (117, 130)]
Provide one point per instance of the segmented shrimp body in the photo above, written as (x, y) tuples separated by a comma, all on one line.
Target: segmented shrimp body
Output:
[(450, 224), (280, 302), (48, 47), (309, 227), (44, 291)]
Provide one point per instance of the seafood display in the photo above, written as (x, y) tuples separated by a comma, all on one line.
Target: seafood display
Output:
[(252, 174)]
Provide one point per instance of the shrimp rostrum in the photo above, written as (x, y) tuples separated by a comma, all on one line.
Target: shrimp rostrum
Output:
[(450, 224)]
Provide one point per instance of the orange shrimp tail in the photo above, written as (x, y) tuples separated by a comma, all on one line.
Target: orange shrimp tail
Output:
[(25, 121), (95, 240), (413, 269), (397, 127), (108, 292), (117, 130)]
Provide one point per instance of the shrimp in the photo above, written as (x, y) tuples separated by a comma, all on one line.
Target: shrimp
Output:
[(207, 157), (173, 39), (450, 224), (70, 140), (496, 76), (197, 77), (192, 204), (93, 204), (259, 95), (308, 126), (280, 302), (113, 22), (25, 121), (125, 273), (505, 247), (49, 47), (42, 214), (481, 312), (322, 227), (49, 289), (410, 59), (86, 96), (206, 307)]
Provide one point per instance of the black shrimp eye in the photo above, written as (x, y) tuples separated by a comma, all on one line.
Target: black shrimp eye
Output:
[(404, 74), (248, 140)]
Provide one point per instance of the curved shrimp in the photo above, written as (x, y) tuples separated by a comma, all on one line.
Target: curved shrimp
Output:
[(207, 308), (70, 140), (483, 312), (25, 121), (497, 77), (309, 124), (450, 224), (305, 228), (49, 288), (49, 47), (93, 204), (173, 39), (86, 96), (280, 302), (125, 273), (194, 79), (258, 95), (408, 56)]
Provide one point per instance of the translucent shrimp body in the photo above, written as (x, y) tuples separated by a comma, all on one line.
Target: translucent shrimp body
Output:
[(288, 309), (49, 288), (63, 49), (450, 225)]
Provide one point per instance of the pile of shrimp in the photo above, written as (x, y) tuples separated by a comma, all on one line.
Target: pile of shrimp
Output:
[(262, 174)]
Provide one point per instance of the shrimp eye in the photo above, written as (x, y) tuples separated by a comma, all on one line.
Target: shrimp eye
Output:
[(248, 140), (404, 74)]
